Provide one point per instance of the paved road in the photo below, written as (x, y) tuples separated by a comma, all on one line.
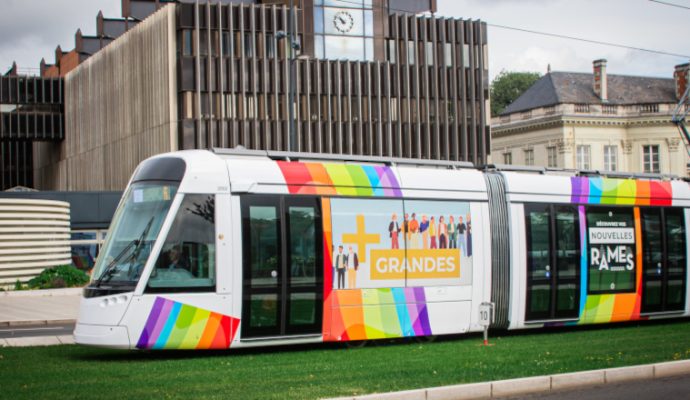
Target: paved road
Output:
[(655, 389), (36, 331)]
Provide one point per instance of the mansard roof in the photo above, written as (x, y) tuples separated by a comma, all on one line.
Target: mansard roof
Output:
[(577, 88)]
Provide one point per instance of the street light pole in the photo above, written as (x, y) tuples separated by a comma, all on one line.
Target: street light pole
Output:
[(292, 134), (292, 47)]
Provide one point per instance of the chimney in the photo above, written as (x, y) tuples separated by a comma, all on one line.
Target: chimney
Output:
[(681, 75), (600, 87)]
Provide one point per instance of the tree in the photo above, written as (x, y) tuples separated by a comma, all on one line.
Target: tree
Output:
[(507, 87)]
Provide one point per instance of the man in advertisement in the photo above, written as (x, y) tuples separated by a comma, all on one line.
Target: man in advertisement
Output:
[(394, 232), (339, 259)]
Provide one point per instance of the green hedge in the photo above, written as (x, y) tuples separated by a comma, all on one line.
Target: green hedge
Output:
[(62, 276)]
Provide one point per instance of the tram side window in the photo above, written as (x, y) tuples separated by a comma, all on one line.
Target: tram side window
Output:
[(187, 259), (611, 249), (676, 256)]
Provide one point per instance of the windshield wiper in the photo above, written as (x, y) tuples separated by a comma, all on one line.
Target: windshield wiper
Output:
[(111, 268)]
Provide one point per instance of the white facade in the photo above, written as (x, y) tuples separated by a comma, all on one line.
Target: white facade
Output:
[(596, 137), (34, 235)]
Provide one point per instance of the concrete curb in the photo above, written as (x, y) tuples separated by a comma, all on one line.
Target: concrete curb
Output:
[(39, 322), (537, 384), (43, 292), (37, 341), (5, 324)]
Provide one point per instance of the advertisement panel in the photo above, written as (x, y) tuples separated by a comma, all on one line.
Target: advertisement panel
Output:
[(390, 243), (611, 249)]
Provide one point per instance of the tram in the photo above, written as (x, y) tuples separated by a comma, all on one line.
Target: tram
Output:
[(235, 248)]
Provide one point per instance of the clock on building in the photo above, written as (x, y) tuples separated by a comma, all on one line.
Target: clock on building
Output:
[(343, 21)]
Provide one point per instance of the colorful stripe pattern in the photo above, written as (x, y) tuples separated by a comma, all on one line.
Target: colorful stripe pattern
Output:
[(362, 314), (596, 190), (340, 179), (173, 325), (327, 262), (605, 308)]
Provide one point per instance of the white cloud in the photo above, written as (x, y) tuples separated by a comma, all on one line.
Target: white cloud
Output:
[(629, 22), (32, 29)]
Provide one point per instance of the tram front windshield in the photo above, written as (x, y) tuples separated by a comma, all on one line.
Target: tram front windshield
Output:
[(133, 232)]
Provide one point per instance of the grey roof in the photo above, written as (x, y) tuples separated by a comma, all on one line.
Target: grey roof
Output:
[(577, 88)]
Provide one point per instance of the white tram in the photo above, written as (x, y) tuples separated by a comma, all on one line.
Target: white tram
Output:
[(211, 250)]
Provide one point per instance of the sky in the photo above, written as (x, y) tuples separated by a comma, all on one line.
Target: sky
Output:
[(636, 23), (32, 29)]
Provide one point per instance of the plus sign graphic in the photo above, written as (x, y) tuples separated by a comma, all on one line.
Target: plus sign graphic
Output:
[(361, 238)]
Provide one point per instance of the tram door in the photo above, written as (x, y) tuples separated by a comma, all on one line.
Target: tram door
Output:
[(553, 262), (282, 272), (663, 259)]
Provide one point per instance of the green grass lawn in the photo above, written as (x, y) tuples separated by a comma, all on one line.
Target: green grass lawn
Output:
[(330, 370)]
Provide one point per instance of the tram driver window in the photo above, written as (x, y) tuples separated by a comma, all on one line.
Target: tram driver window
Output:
[(611, 249), (187, 259)]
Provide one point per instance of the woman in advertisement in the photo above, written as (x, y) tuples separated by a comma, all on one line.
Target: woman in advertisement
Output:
[(442, 233), (424, 230), (469, 236), (415, 242), (432, 233)]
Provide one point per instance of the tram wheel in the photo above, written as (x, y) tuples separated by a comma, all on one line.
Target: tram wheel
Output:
[(425, 339), (355, 344)]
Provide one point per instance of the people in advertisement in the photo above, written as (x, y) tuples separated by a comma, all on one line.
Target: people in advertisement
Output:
[(432, 233), (406, 228), (415, 236), (352, 261), (461, 236), (442, 233), (394, 232), (424, 231), (374, 250), (339, 266), (452, 233), (469, 236)]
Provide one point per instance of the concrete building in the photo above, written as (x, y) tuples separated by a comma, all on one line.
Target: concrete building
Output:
[(595, 122), (364, 77)]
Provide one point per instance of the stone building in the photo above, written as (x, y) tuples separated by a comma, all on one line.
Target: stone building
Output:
[(595, 122)]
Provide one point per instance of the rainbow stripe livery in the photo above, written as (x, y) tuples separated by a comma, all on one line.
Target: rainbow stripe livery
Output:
[(173, 325), (362, 314), (340, 179), (596, 190)]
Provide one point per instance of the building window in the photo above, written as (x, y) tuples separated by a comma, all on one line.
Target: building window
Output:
[(650, 158), (611, 158), (391, 50), (466, 55), (187, 42), (552, 157), (507, 158), (583, 157), (429, 53), (529, 157), (270, 47), (448, 54), (410, 52), (248, 46)]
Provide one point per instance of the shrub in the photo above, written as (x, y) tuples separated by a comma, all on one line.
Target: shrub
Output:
[(59, 277)]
